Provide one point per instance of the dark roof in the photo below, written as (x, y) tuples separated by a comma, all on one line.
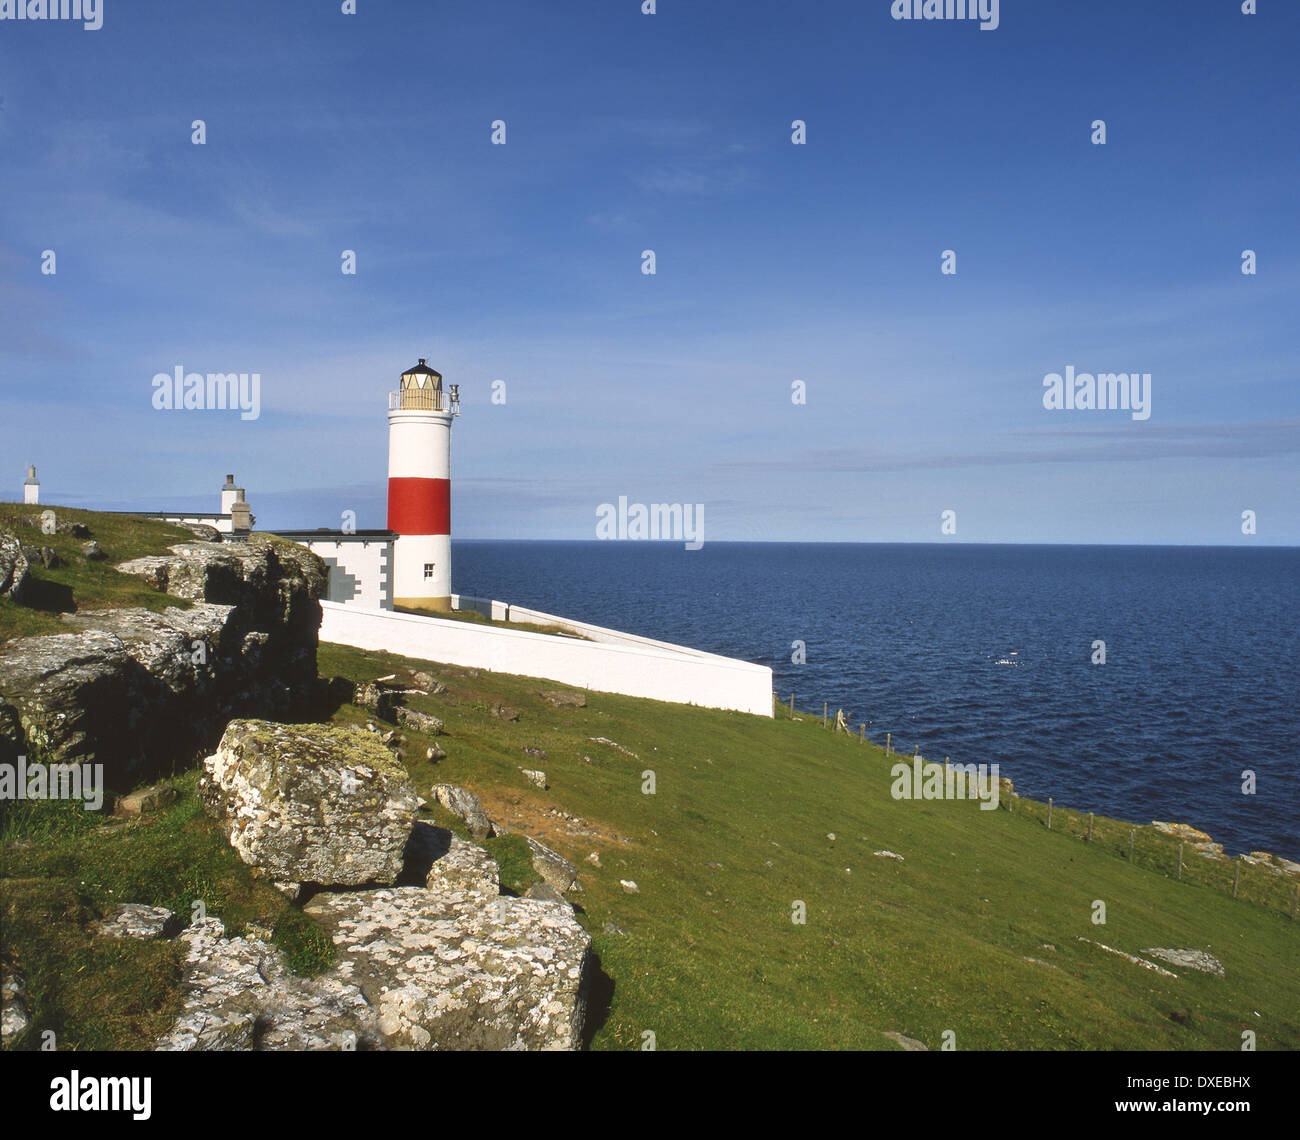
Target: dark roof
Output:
[(422, 369), (324, 534)]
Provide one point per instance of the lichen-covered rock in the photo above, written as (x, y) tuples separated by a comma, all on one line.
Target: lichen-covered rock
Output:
[(445, 862), (140, 691), (535, 776), (147, 800), (559, 699), (554, 868), (416, 971), (136, 920), (419, 722), (1189, 959), (460, 971), (465, 804), (14, 567), (311, 803), (238, 994), (379, 700), (14, 1015)]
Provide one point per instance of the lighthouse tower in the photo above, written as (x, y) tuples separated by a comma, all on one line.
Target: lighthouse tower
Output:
[(419, 487)]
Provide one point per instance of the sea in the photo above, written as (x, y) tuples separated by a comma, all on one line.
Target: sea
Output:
[(984, 654)]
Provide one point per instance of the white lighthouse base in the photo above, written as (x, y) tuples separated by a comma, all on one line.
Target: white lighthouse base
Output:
[(422, 572)]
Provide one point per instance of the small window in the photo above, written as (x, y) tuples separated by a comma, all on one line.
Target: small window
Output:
[(428, 569)]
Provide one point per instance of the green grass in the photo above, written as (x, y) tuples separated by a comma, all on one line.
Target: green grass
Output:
[(712, 959), (61, 868), (79, 585), (937, 942)]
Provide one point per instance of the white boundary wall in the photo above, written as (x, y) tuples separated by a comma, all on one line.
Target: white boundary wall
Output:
[(636, 667)]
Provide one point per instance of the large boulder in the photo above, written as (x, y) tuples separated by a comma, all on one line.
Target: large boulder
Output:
[(460, 971), (416, 970), (311, 803), (133, 689)]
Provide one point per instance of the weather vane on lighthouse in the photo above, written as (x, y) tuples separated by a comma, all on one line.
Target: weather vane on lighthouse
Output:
[(419, 487)]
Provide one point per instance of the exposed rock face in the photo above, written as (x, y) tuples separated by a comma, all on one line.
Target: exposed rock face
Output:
[(139, 691), (419, 722), (240, 995), (465, 804), (311, 803), (418, 970), (554, 868), (147, 800), (373, 696), (447, 863), (560, 699), (460, 971), (135, 920), (13, 568), (14, 1016), (1189, 959)]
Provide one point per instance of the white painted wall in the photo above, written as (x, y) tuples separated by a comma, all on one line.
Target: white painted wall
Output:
[(653, 669), (360, 571)]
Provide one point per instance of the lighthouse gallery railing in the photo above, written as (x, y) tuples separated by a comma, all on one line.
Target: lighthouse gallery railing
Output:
[(417, 399)]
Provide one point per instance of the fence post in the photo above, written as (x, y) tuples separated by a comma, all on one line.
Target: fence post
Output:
[(888, 745), (824, 708), (1132, 835), (1180, 861), (862, 733), (792, 703), (1090, 827), (1049, 813), (1236, 877)]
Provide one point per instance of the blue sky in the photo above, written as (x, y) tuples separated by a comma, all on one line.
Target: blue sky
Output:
[(775, 262)]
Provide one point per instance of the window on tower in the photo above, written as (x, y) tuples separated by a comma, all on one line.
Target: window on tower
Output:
[(428, 569)]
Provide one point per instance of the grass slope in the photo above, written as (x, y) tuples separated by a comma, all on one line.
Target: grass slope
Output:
[(79, 584), (937, 942), (734, 835)]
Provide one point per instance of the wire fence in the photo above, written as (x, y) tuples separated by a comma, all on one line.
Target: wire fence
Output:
[(1143, 846)]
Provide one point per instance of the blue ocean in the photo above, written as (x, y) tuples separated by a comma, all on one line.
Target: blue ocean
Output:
[(985, 653)]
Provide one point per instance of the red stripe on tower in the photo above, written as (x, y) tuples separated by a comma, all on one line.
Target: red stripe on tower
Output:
[(419, 506)]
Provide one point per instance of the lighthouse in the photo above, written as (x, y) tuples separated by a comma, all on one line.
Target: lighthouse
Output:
[(419, 487)]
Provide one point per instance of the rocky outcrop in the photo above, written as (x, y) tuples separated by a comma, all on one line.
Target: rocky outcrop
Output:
[(465, 804), (136, 920), (559, 699), (14, 566), (444, 862), (311, 803), (553, 867), (140, 691), (1189, 959), (417, 970)]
